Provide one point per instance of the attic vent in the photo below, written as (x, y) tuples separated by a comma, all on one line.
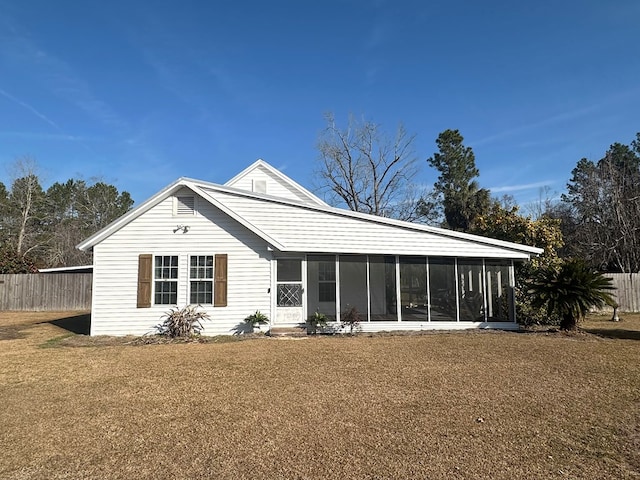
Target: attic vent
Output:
[(185, 205), (260, 186)]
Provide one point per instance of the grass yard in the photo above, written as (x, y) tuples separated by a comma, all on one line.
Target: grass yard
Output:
[(440, 405)]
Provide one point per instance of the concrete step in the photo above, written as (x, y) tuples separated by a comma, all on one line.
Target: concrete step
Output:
[(287, 331)]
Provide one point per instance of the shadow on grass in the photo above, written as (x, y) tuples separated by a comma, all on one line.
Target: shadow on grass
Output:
[(617, 333), (78, 324)]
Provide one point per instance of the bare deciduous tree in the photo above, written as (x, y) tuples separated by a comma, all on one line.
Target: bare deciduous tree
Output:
[(24, 206), (361, 167), (604, 200)]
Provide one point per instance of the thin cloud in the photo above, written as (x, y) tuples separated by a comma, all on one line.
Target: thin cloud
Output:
[(44, 136), (59, 77), (531, 126), (561, 117), (524, 186), (32, 109)]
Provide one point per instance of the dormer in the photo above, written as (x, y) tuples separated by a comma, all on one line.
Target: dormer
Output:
[(262, 178)]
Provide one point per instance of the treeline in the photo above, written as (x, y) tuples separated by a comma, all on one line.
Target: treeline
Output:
[(597, 219), (40, 228)]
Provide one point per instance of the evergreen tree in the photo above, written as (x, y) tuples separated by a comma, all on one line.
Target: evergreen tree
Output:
[(458, 193)]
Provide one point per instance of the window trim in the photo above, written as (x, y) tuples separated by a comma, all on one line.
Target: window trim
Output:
[(210, 280), (162, 279)]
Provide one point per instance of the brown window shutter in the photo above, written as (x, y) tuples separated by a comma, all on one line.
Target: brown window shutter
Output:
[(220, 287), (145, 270)]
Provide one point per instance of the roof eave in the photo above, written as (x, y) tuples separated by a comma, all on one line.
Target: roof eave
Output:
[(120, 222)]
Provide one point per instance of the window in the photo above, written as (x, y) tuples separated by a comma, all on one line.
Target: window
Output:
[(327, 281), (321, 285), (165, 277), (201, 279)]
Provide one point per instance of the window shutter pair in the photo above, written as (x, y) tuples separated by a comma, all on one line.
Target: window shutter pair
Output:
[(145, 277)]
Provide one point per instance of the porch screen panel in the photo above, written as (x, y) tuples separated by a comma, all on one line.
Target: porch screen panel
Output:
[(353, 284), (499, 291), (442, 289), (321, 285), (471, 290), (382, 287), (413, 289)]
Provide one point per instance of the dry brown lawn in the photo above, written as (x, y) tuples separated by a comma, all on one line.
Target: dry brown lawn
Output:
[(448, 405)]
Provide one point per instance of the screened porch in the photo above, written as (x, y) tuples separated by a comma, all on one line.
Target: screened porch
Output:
[(385, 288)]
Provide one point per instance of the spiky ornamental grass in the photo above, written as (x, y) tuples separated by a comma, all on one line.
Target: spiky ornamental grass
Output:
[(570, 290), (182, 322)]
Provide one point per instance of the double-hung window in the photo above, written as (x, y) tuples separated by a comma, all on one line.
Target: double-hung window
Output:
[(165, 278), (201, 279), (327, 281)]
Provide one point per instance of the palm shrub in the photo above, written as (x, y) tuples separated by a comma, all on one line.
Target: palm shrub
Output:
[(316, 320), (570, 290), (257, 318), (182, 322)]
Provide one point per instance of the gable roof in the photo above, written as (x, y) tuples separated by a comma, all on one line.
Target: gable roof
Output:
[(301, 226), (296, 191)]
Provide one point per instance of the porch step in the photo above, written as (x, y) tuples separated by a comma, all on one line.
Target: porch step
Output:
[(298, 331)]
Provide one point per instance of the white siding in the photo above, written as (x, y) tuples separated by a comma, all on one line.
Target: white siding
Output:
[(211, 232), (317, 231), (276, 187)]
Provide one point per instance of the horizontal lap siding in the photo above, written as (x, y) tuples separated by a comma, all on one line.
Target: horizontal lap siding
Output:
[(316, 231), (211, 232), (275, 186)]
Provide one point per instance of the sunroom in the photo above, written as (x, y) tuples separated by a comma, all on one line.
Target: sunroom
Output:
[(404, 291)]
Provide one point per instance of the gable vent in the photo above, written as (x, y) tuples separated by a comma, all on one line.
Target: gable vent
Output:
[(185, 205), (260, 186)]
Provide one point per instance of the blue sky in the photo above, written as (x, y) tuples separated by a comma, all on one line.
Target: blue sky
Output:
[(141, 93)]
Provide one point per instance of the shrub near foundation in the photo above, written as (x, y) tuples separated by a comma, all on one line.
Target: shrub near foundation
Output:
[(316, 320), (182, 322), (351, 319), (256, 319)]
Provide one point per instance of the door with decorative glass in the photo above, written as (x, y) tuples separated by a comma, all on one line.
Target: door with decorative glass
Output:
[(289, 291)]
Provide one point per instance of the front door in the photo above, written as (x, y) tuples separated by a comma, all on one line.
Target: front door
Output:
[(289, 291)]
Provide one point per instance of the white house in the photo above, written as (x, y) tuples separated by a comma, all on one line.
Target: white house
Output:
[(263, 242)]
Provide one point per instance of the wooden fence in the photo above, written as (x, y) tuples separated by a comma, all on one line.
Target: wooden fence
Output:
[(72, 291), (628, 290), (46, 291)]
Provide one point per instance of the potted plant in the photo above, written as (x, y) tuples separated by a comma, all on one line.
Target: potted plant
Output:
[(314, 321), (255, 320)]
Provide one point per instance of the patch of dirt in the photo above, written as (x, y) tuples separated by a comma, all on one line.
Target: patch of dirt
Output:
[(12, 332)]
